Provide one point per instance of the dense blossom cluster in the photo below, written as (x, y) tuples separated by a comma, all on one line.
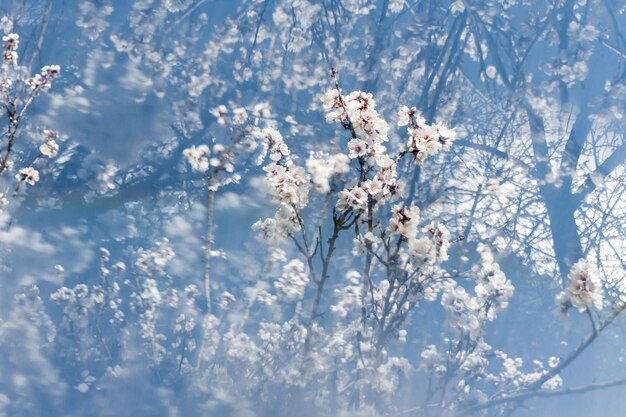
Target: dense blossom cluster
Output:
[(153, 262), (316, 327), (405, 253), (357, 110), (368, 311), (424, 140), (288, 184), (378, 180)]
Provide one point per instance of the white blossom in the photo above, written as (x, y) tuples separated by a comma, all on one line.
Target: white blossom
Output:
[(584, 290), (28, 175), (292, 282), (49, 149), (154, 261), (197, 157)]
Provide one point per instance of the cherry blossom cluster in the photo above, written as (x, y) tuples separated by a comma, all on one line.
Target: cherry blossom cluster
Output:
[(255, 347), (50, 148), (11, 43), (201, 158), (216, 162), (424, 140), (512, 376), (239, 115), (357, 113), (43, 80), (29, 175), (355, 199), (440, 239), (467, 314), (585, 288), (152, 262), (404, 221), (493, 289), (220, 163), (288, 184), (11, 81), (428, 247), (460, 308), (374, 191)]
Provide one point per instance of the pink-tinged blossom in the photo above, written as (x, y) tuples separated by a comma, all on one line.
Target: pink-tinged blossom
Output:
[(358, 111), (424, 140), (373, 187), (333, 105), (50, 134), (352, 199), (38, 82), (49, 149), (11, 41), (51, 71), (10, 56), (404, 220), (585, 288), (43, 81), (357, 148), (440, 238), (288, 184), (446, 135), (28, 175)]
